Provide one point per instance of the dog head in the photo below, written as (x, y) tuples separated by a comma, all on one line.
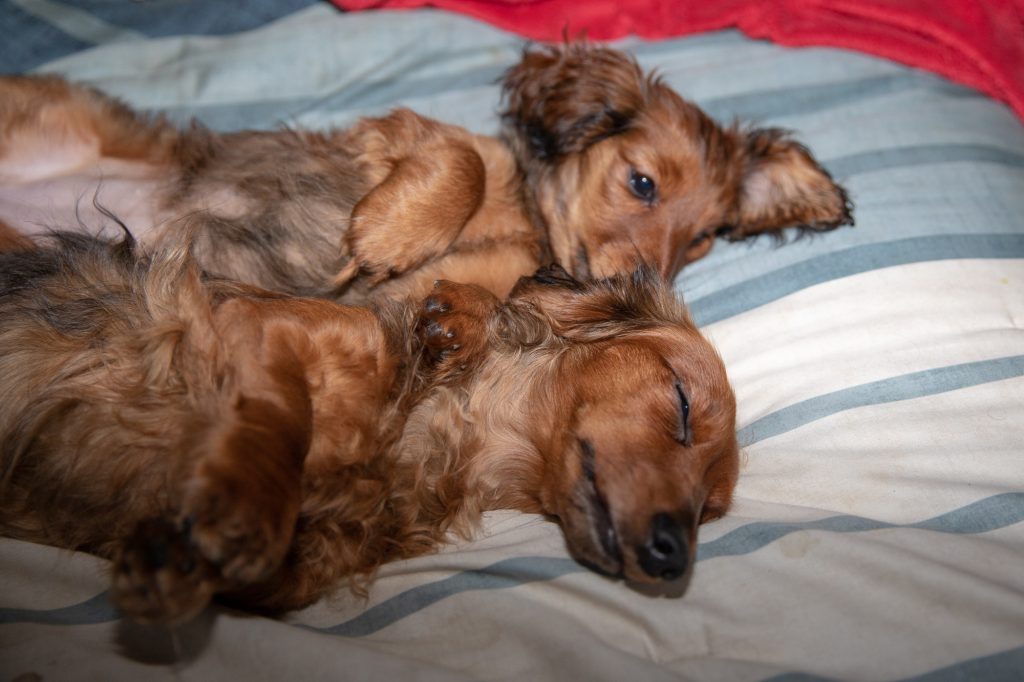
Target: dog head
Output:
[(631, 421), (622, 170)]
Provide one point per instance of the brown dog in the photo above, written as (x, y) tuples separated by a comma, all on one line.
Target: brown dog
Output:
[(214, 438), (600, 167)]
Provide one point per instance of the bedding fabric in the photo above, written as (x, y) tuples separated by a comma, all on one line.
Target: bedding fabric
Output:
[(878, 529), (977, 43)]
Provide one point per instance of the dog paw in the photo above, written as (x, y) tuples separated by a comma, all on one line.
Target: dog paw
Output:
[(239, 525), (453, 324), (159, 576)]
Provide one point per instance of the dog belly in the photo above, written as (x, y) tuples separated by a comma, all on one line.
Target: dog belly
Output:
[(77, 200)]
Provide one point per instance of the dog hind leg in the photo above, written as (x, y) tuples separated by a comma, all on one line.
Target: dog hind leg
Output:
[(431, 182)]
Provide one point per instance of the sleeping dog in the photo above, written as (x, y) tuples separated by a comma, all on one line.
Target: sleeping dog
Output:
[(216, 439), (599, 167)]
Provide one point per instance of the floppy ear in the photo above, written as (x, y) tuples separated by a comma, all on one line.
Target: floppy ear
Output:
[(782, 185), (561, 99), (547, 277), (429, 183), (599, 309)]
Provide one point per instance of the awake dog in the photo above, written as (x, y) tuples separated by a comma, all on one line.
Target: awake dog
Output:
[(213, 438), (599, 167)]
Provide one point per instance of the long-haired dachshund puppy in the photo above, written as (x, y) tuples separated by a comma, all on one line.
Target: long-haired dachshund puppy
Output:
[(213, 438), (600, 166)]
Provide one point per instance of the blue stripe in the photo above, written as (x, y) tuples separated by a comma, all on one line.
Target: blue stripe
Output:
[(32, 41), (78, 22), (985, 515), (503, 574), (806, 99), (920, 155), (904, 387), (772, 286), (97, 609), (37, 41), (1005, 666), (196, 17), (991, 513)]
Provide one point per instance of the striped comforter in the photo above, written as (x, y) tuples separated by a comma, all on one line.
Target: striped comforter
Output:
[(878, 530)]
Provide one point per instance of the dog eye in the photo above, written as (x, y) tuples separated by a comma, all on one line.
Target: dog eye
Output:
[(683, 435), (642, 185)]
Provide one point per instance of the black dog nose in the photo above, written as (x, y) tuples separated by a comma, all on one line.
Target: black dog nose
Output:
[(665, 555)]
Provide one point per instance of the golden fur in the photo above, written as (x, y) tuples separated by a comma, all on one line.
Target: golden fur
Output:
[(599, 167), (213, 438)]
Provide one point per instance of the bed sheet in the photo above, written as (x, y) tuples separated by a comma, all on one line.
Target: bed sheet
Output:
[(878, 528)]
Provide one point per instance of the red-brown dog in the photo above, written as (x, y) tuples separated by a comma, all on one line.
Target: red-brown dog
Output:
[(214, 438), (600, 167)]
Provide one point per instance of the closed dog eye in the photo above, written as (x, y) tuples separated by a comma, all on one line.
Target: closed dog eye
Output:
[(683, 433)]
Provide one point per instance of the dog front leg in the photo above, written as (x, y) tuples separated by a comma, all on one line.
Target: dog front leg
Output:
[(455, 326), (239, 505), (236, 522), (243, 499)]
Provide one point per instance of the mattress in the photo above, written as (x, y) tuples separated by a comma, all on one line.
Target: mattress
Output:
[(878, 525)]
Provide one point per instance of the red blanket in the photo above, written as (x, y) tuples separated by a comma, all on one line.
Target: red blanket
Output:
[(976, 42)]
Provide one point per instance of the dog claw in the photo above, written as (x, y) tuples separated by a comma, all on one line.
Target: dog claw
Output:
[(156, 555), (186, 566), (158, 577), (435, 305), (454, 311)]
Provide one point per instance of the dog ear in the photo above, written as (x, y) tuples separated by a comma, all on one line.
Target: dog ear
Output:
[(400, 224), (599, 309), (782, 185), (561, 99), (551, 275)]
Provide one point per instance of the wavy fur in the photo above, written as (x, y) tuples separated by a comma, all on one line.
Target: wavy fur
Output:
[(214, 439)]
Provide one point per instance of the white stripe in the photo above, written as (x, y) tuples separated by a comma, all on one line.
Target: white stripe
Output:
[(883, 604), (871, 326), (898, 462)]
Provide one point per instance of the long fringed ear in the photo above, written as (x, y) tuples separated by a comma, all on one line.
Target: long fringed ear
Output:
[(782, 185), (401, 223), (600, 309), (561, 99), (551, 275)]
